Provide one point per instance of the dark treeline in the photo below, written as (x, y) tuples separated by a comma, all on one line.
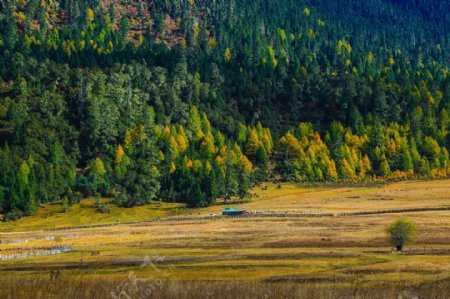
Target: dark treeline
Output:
[(179, 100)]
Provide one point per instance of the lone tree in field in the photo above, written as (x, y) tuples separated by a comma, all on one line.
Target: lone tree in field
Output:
[(400, 232)]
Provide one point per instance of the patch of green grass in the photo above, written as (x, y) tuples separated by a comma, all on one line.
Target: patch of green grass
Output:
[(85, 213)]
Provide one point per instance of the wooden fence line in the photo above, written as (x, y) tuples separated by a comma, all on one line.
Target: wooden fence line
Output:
[(31, 248), (430, 251), (254, 215), (406, 210), (42, 252), (281, 215)]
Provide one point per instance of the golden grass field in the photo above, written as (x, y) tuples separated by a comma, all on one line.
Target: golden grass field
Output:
[(327, 257)]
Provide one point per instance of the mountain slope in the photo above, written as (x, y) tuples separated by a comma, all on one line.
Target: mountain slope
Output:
[(192, 100)]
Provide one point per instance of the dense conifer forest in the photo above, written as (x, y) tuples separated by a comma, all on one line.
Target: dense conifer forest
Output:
[(190, 101)]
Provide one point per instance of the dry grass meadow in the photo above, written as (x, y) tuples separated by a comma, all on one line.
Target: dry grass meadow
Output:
[(329, 257)]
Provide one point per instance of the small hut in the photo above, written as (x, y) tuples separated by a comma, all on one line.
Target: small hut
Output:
[(233, 212)]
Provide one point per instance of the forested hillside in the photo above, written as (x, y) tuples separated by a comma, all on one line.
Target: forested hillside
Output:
[(193, 100)]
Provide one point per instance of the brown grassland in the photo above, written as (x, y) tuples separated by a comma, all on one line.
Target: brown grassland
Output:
[(328, 257)]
